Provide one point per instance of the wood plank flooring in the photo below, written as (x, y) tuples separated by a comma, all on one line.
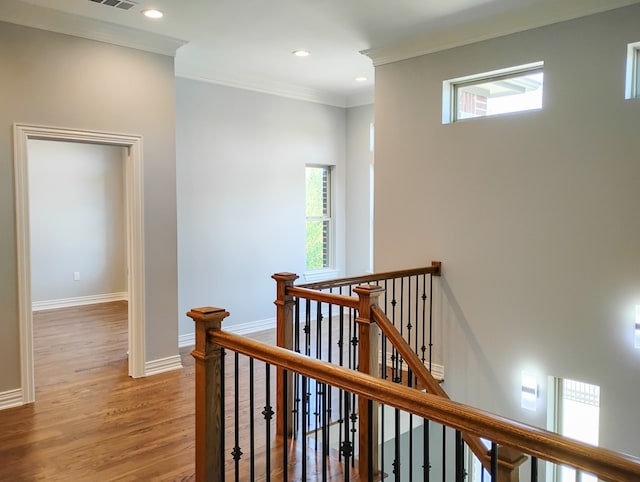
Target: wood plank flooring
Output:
[(91, 422)]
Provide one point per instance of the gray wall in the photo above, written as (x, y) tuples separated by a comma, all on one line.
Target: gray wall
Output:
[(241, 193), (533, 215), (359, 161), (77, 220), (58, 80)]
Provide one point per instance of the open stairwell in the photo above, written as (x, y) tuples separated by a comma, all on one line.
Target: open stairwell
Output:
[(347, 394)]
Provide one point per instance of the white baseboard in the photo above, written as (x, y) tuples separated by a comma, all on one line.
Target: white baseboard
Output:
[(79, 301), (252, 327), (189, 339), (11, 398), (162, 365)]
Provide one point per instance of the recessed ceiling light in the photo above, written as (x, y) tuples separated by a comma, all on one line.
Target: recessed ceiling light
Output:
[(152, 13), (301, 53), (360, 79)]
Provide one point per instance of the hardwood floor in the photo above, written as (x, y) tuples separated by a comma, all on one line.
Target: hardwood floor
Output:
[(91, 422)]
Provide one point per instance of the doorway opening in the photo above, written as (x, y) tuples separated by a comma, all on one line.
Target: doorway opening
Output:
[(134, 209)]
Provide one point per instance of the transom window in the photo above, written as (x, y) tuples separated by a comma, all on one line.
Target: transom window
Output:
[(319, 230), (514, 89), (632, 87)]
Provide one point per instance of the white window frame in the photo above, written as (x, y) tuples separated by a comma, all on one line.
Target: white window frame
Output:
[(554, 419), (632, 89), (328, 271), (450, 87)]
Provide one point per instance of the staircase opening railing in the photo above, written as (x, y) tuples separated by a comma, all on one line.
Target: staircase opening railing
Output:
[(313, 426), (222, 398), (328, 324)]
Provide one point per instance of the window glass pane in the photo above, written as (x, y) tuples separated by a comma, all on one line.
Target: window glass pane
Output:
[(318, 214), (317, 243), (579, 419), (636, 73), (499, 95), (317, 191)]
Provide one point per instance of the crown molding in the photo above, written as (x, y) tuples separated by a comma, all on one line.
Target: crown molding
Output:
[(542, 13), (52, 20), (201, 73)]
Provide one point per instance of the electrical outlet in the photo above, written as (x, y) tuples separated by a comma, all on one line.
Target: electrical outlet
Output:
[(76, 276)]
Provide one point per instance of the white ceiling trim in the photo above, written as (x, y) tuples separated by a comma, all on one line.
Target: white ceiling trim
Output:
[(55, 21), (193, 72), (549, 12)]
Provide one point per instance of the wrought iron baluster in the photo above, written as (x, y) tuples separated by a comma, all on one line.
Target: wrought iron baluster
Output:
[(459, 457), (426, 438), (494, 462), (305, 397), (346, 447), (223, 354), (430, 320), (268, 415), (325, 432), (252, 431), (423, 348), (534, 469), (444, 453), (236, 453), (397, 455)]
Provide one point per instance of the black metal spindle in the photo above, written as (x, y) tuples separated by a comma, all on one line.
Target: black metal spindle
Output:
[(296, 378), (430, 320), (534, 469), (396, 461), (325, 433), (305, 397), (444, 453), (252, 431), (459, 457), (223, 353), (268, 415), (370, 448), (346, 448), (236, 453), (426, 467), (494, 462), (423, 348)]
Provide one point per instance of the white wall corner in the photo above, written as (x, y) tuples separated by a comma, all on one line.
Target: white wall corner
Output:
[(11, 398), (154, 367)]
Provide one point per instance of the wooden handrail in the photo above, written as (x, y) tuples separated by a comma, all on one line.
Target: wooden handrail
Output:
[(425, 378), (321, 296), (434, 269), (605, 464)]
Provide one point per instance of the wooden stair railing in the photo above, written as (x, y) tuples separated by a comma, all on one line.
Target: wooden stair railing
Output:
[(210, 340), (509, 461)]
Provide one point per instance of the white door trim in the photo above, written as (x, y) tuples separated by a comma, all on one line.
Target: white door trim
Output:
[(135, 240)]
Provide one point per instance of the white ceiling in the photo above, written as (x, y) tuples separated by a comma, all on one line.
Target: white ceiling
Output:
[(248, 43)]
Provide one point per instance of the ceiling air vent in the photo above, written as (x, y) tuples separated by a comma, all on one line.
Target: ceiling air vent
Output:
[(116, 3)]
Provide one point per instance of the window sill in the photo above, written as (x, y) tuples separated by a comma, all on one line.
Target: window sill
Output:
[(320, 275)]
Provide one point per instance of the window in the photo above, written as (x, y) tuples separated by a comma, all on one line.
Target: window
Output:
[(515, 89), (319, 231), (577, 414), (632, 87)]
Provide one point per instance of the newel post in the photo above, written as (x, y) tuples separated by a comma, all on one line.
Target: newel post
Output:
[(284, 339), (368, 363), (209, 395)]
